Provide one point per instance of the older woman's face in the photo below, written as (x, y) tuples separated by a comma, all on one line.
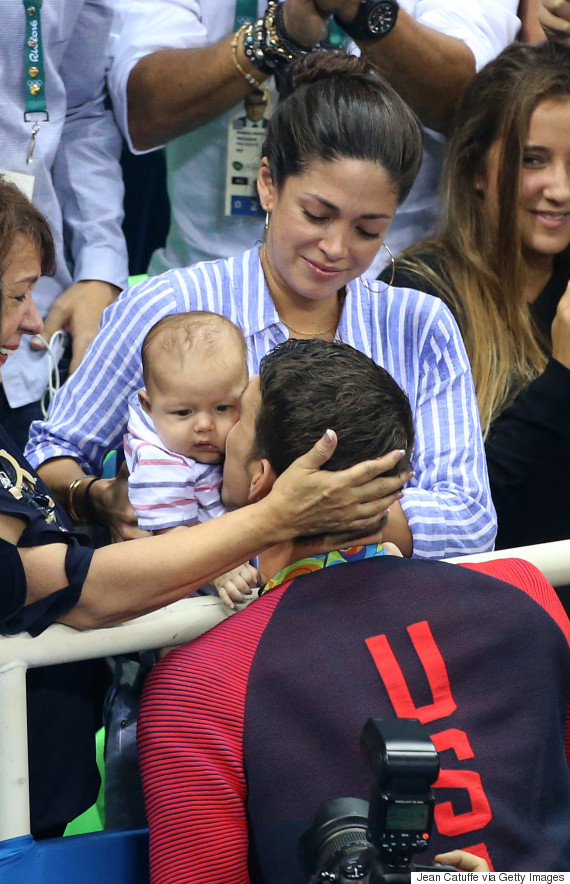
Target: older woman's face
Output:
[(326, 224), (20, 316)]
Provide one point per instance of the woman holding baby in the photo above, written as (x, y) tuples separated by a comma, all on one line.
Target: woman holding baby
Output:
[(341, 153)]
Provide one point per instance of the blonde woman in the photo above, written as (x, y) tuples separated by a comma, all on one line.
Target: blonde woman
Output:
[(501, 263)]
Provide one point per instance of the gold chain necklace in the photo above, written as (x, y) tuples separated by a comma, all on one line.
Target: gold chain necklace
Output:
[(263, 258), (313, 333)]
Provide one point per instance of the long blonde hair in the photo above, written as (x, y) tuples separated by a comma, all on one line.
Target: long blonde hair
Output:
[(471, 263)]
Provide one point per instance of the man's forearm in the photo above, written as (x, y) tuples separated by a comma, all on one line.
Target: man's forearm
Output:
[(173, 91), (430, 70), (531, 30)]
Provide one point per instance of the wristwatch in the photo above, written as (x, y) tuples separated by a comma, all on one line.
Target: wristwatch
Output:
[(374, 19)]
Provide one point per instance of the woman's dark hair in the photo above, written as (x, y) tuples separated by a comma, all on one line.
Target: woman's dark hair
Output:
[(19, 215), (310, 385), (340, 106)]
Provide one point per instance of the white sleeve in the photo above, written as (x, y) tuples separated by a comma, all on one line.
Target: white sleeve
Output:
[(485, 26), (141, 27), (86, 172)]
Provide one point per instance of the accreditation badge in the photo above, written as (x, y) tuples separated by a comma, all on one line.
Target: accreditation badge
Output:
[(23, 181), (247, 129)]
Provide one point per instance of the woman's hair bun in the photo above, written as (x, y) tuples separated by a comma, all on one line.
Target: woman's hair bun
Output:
[(323, 64), (340, 105)]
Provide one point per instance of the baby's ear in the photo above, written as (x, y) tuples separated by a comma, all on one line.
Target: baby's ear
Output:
[(145, 401)]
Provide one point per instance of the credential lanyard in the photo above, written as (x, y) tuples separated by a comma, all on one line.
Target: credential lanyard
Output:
[(334, 38), (34, 75), (246, 11)]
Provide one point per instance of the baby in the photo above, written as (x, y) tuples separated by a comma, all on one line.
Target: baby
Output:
[(194, 369)]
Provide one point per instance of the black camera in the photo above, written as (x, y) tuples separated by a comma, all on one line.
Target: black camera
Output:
[(372, 843)]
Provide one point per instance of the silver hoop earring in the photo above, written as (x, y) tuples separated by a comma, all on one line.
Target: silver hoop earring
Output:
[(385, 289), (267, 215)]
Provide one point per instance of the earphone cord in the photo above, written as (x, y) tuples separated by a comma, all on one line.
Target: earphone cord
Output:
[(54, 379)]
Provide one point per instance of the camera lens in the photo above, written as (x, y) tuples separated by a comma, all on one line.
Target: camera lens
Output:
[(340, 827)]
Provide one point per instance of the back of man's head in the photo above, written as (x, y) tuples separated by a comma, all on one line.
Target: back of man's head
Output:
[(308, 386)]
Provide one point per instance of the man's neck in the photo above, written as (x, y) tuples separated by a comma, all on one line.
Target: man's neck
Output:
[(279, 556)]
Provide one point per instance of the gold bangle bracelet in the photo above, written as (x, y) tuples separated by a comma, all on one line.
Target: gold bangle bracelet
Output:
[(71, 494), (250, 79), (87, 502)]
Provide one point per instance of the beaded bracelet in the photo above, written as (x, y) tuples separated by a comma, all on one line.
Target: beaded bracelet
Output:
[(254, 46), (250, 79), (266, 43)]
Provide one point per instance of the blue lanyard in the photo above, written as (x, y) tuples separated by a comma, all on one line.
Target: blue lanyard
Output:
[(35, 106), (335, 38), (34, 74)]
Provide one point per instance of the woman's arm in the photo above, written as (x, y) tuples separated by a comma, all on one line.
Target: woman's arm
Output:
[(448, 504), (126, 580), (528, 446), (90, 416), (168, 77), (527, 455), (397, 531)]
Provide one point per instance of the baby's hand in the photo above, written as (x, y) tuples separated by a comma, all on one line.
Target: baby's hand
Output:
[(235, 585)]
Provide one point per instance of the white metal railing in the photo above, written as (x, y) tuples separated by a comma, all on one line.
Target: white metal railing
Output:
[(176, 624)]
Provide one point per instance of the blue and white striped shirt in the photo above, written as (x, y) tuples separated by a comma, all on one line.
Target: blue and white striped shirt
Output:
[(412, 335), (166, 489)]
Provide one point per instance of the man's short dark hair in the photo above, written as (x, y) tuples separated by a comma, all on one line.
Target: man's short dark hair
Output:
[(308, 386)]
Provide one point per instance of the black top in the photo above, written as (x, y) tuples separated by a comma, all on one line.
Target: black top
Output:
[(64, 701), (23, 494), (528, 445)]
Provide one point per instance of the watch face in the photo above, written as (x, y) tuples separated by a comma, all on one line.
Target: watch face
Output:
[(381, 19)]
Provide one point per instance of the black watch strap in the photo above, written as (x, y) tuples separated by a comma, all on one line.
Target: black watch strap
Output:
[(374, 19)]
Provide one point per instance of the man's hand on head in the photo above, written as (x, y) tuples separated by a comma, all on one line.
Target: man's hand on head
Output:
[(349, 503)]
